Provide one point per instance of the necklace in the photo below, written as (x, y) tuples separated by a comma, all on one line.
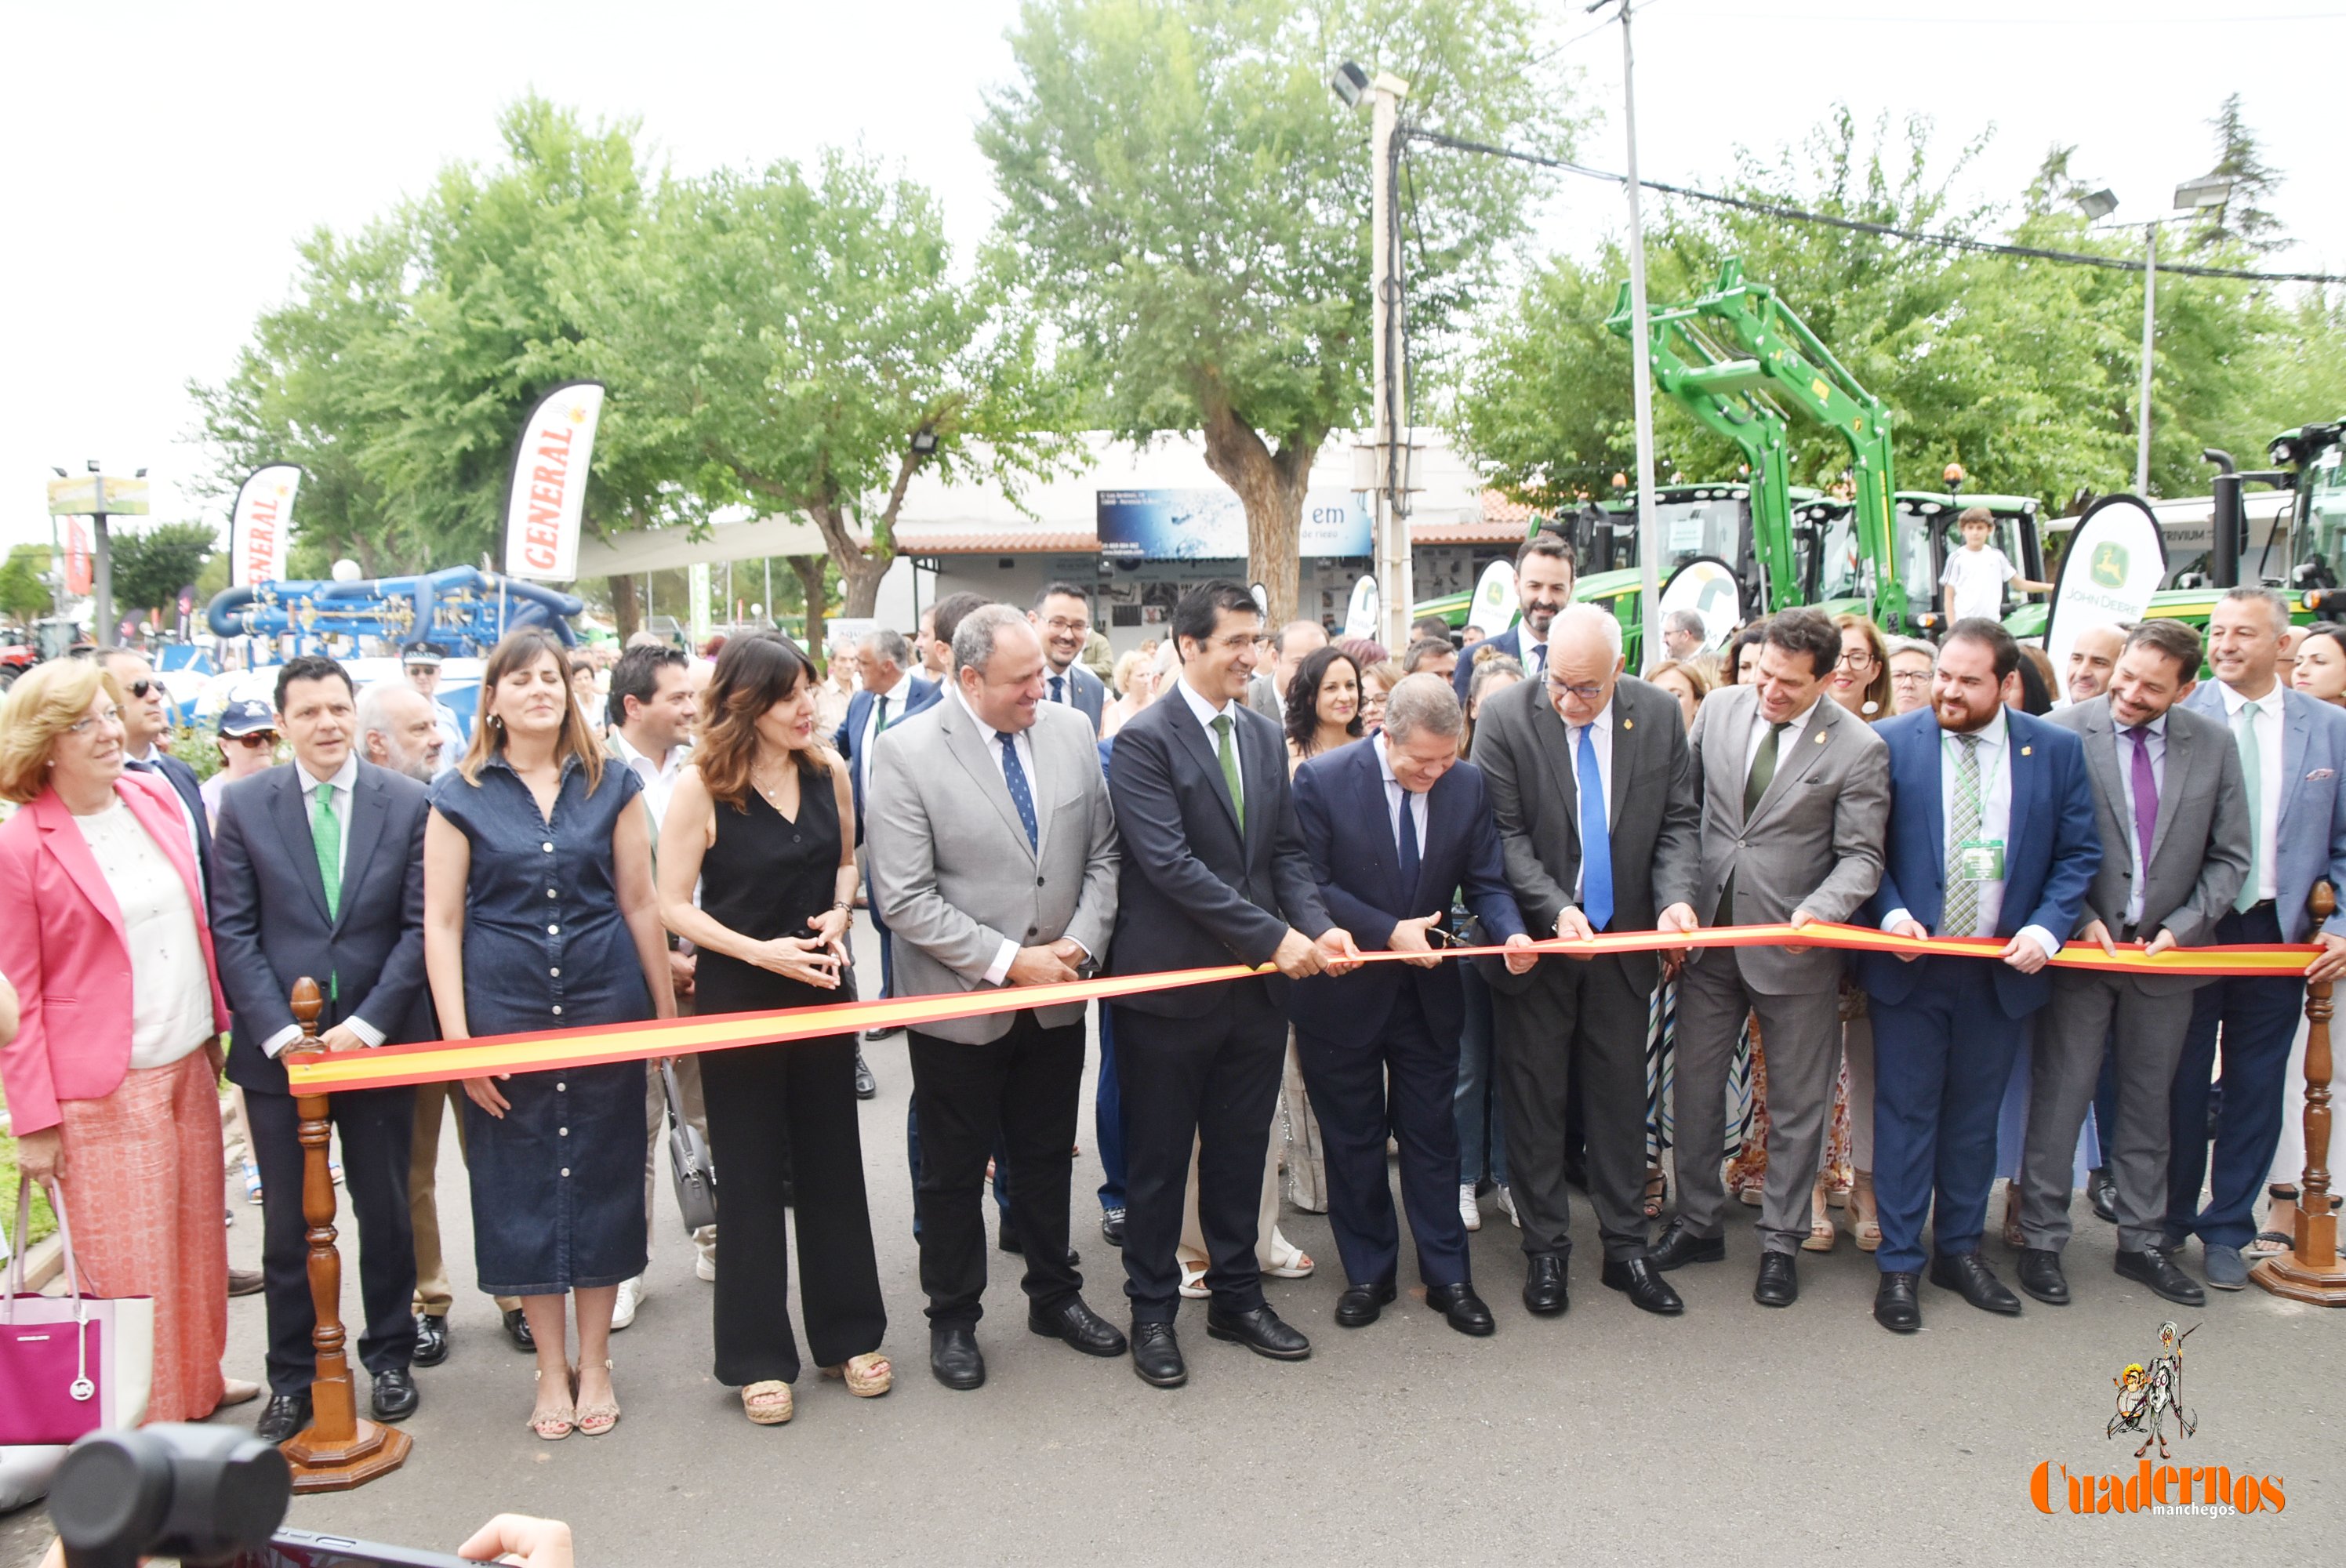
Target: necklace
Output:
[(770, 791)]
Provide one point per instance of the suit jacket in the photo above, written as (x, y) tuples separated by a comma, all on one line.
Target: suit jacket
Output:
[(191, 791), (1262, 696), (2199, 849), (2310, 842), (1342, 805), (952, 868), (1525, 755), (1812, 842), (2052, 850), (268, 913), (63, 946), (1196, 889), (1089, 692), (918, 696), (1509, 641)]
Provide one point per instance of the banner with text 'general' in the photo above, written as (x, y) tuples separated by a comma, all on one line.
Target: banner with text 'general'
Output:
[(2116, 560), (544, 512), (261, 526)]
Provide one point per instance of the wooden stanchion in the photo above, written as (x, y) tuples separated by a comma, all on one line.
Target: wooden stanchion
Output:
[(339, 1448), (2311, 1270)]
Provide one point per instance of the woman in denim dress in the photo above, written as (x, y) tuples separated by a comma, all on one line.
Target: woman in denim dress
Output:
[(539, 913)]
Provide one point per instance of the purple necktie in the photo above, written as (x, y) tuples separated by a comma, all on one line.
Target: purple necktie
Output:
[(2146, 794)]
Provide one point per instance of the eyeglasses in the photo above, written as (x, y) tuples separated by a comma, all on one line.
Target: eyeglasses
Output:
[(104, 715), (1856, 658), (1910, 677), (1585, 693), (1061, 624), (252, 742)]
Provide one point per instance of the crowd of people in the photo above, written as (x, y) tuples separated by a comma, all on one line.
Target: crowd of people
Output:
[(676, 835)]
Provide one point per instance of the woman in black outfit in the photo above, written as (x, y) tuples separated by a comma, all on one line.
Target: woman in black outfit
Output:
[(755, 821)]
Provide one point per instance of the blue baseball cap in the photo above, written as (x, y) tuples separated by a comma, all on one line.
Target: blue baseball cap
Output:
[(246, 716)]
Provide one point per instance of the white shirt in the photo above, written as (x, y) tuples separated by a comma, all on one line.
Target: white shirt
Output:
[(1978, 577), (1995, 820), (895, 697), (1395, 796), (170, 999), (1600, 739), (344, 780), (1526, 640), (2271, 719), (992, 740), (1059, 687), (1794, 728), (1205, 713), (659, 778)]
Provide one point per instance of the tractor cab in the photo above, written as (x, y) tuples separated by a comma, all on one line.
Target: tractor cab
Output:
[(1924, 534)]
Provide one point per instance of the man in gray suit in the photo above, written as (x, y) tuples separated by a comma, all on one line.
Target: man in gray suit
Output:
[(994, 857), (2173, 812), (1795, 803)]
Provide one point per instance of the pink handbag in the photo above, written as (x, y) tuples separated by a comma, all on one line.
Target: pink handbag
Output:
[(69, 1364)]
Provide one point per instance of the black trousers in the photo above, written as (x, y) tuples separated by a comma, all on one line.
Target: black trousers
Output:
[(776, 1112), (1213, 1078), (378, 1128), (1580, 1026), (1348, 1082), (1022, 1090)]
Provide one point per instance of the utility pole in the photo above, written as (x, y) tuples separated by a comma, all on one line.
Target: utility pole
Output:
[(2150, 329), (1386, 370), (1641, 359)]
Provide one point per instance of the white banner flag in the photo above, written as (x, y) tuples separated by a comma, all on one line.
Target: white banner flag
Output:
[(1365, 609), (549, 483), (261, 526), (2116, 560)]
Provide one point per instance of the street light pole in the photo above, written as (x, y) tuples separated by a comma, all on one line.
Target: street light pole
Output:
[(1641, 359), (2149, 330), (1386, 370)]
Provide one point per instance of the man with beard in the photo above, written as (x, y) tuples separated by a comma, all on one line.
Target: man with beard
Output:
[(1061, 617), (1543, 579)]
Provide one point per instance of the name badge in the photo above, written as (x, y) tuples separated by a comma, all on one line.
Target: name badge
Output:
[(1980, 860)]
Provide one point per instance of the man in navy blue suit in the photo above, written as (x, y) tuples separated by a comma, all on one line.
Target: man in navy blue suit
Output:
[(1543, 579), (889, 696), (1393, 825), (1992, 833), (145, 727), (1061, 617)]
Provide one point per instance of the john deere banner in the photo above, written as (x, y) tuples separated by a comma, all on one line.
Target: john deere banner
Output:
[(2114, 562), (544, 508), (259, 527)]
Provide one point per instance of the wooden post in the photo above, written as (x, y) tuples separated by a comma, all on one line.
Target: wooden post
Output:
[(2310, 1271), (339, 1448)]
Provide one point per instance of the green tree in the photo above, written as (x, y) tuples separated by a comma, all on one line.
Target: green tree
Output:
[(2241, 218), (152, 564), (24, 587), (1191, 203)]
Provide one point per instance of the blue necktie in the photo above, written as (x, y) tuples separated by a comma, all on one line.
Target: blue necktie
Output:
[(1595, 841), (1409, 854), (1020, 795), (1059, 688)]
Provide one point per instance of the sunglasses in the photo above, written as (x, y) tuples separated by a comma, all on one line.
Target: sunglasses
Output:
[(252, 742), (141, 687)]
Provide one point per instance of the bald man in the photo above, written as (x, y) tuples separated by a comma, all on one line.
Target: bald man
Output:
[(2093, 659)]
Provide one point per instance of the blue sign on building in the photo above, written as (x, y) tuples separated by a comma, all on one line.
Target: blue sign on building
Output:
[(1210, 525)]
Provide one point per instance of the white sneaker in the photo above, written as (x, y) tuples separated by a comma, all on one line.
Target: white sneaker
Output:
[(704, 1267), (631, 1296), (1507, 1207), (1468, 1209)]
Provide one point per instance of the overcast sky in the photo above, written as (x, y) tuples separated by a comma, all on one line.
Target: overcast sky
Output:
[(165, 160)]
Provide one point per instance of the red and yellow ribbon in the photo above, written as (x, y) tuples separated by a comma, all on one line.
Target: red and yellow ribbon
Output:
[(436, 1061)]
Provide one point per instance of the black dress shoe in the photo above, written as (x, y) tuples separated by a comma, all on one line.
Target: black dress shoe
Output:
[(1779, 1283), (873, 1037), (395, 1395), (2102, 1190), (1895, 1305), (1359, 1305), (1157, 1356), (1463, 1308), (1640, 1279), (1009, 1240), (866, 1086), (1547, 1293), (1260, 1331), (1679, 1246), (1968, 1276), (1112, 1226), (246, 1282), (2153, 1268), (2040, 1276), (954, 1358), (1078, 1325), (431, 1340), (284, 1415), (517, 1331)]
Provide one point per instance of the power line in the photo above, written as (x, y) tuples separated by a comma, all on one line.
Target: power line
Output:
[(1888, 230)]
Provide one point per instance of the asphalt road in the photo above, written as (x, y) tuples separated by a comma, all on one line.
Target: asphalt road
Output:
[(1734, 1433)]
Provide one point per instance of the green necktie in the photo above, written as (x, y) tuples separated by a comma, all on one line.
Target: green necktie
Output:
[(2252, 774), (882, 723), (1229, 765), (1962, 913), (1763, 769), (326, 831)]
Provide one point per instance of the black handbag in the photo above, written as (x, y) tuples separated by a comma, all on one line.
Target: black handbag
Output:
[(688, 1160)]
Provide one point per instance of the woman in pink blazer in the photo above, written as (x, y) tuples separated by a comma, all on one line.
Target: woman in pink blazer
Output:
[(112, 1079)]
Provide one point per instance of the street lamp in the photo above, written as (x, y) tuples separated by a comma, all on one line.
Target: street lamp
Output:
[(2192, 196), (2097, 205), (1351, 83)]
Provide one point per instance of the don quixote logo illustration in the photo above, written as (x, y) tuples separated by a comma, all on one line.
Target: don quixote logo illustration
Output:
[(2149, 1406)]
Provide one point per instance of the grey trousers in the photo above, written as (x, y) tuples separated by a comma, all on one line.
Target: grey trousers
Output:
[(2146, 1043), (1801, 1034)]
